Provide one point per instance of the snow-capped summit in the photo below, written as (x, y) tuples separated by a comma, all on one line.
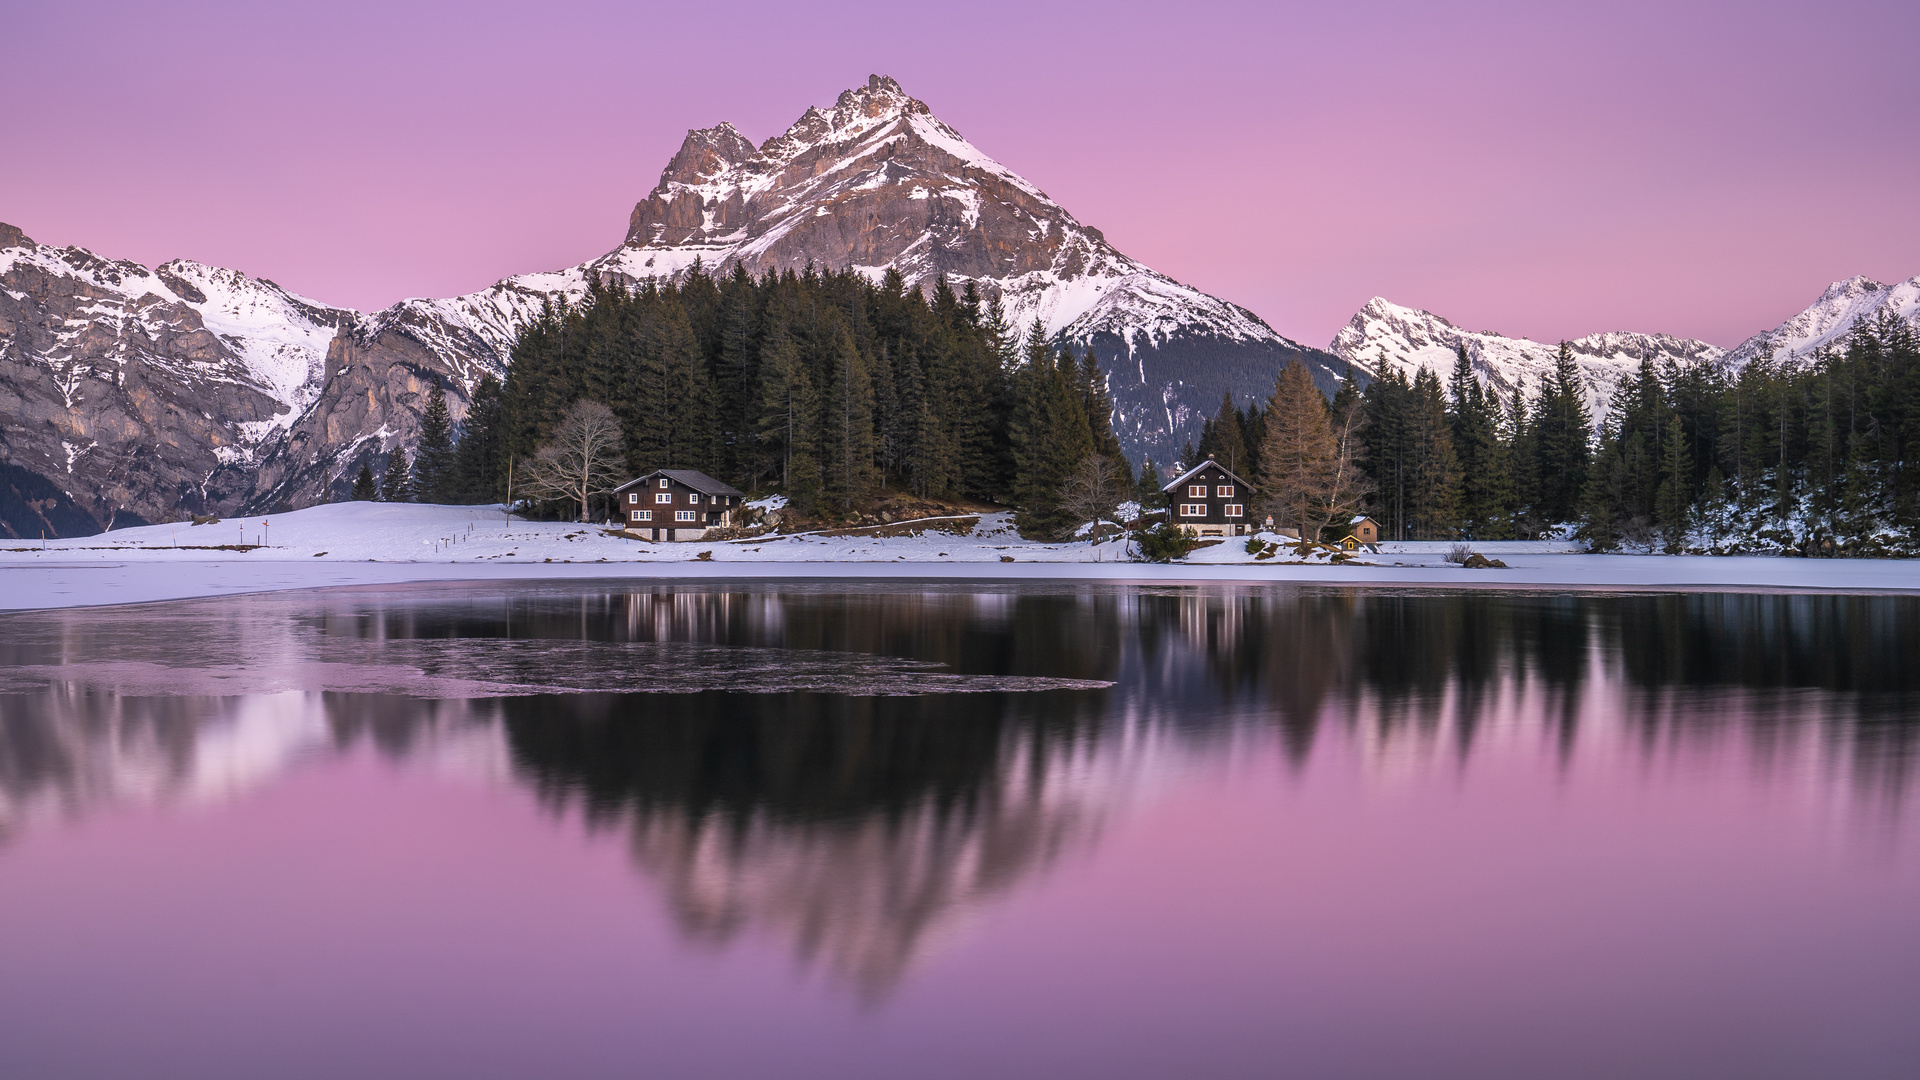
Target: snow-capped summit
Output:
[(1842, 307), (877, 182), (1385, 336)]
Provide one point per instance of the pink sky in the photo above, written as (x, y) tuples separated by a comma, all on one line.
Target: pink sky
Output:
[(1540, 170)]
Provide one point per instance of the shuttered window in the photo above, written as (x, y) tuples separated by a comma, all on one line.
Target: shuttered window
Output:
[(1233, 510), (1196, 491), (1193, 509), (1224, 491)]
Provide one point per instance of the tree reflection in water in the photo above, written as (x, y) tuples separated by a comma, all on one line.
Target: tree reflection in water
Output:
[(862, 826)]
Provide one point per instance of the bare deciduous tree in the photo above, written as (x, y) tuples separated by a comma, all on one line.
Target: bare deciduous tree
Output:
[(1093, 492), (585, 457)]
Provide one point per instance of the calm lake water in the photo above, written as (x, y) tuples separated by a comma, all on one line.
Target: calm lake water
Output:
[(608, 830)]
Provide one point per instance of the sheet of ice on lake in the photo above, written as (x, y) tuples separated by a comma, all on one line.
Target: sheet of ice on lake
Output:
[(499, 667)]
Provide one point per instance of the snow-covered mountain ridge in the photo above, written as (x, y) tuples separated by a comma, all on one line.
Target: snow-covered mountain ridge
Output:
[(1385, 336), (128, 392)]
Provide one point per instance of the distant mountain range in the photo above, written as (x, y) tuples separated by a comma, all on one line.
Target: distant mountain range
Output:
[(1385, 336), (130, 394)]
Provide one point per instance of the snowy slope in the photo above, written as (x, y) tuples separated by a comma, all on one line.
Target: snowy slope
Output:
[(1842, 307), (1385, 336), (943, 206), (260, 335)]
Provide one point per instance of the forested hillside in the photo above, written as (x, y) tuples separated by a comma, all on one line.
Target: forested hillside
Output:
[(830, 388), (827, 387)]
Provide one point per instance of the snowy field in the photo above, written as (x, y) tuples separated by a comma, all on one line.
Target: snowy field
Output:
[(385, 543)]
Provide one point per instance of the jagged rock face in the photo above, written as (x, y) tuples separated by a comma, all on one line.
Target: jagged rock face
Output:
[(1387, 337), (878, 182), (146, 394)]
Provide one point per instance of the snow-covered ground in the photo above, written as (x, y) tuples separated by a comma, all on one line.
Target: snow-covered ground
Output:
[(385, 543)]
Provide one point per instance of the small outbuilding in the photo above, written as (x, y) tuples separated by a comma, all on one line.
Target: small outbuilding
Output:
[(1209, 500), (677, 504), (1363, 530)]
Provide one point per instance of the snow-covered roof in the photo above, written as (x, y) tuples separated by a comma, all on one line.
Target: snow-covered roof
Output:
[(1188, 475), (693, 478)]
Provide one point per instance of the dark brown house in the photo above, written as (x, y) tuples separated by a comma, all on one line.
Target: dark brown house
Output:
[(1208, 500), (677, 504)]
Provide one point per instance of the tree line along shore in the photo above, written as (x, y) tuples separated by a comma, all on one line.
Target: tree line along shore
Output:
[(833, 389)]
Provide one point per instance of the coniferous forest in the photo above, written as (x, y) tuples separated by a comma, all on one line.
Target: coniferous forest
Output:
[(833, 389)]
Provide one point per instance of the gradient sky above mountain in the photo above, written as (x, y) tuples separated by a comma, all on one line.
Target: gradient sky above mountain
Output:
[(1534, 169)]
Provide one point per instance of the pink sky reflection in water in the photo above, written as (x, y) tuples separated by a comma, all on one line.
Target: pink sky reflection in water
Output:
[(1713, 904)]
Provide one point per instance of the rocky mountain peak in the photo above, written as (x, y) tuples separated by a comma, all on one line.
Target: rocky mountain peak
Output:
[(11, 236), (705, 154), (1857, 285)]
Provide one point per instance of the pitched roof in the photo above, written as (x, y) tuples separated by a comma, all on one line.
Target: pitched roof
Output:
[(1185, 476), (693, 478)]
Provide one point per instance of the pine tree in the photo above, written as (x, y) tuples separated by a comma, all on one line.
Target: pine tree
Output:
[(364, 489), (1098, 405), (1433, 472), (846, 428), (434, 466), (480, 460), (1486, 481), (1384, 431), (1523, 465), (1675, 497), (397, 484), (1051, 436), (1561, 431), (1223, 437), (1147, 490)]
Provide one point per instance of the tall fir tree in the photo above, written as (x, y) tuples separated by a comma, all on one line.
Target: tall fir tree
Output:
[(1674, 498), (397, 484), (1486, 479), (1561, 430), (480, 458), (364, 488), (433, 471)]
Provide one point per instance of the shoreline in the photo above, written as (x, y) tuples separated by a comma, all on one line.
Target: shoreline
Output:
[(133, 581), (370, 544)]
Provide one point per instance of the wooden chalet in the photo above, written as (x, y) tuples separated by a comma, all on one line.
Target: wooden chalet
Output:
[(1209, 500), (677, 504)]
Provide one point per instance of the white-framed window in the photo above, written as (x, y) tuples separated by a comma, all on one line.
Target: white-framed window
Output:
[(643, 515), (1224, 491), (693, 498), (1193, 509), (1196, 491), (663, 481), (1233, 510), (663, 497), (633, 496), (685, 515)]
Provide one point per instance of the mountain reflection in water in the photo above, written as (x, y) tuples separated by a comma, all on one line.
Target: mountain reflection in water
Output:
[(864, 808)]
